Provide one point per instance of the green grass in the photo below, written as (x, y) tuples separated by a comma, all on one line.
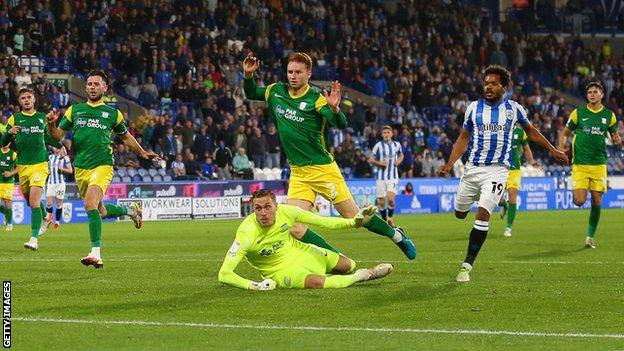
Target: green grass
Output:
[(541, 280)]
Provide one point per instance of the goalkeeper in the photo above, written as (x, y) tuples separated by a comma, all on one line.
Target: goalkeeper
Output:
[(263, 239)]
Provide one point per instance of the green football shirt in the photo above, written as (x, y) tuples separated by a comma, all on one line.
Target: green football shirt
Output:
[(30, 141), (302, 121), (590, 130), (91, 126), (7, 163), (519, 140)]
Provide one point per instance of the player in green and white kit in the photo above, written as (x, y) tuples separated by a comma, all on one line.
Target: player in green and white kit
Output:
[(27, 131), (263, 239), (520, 144), (591, 124), (8, 170), (92, 124), (303, 114)]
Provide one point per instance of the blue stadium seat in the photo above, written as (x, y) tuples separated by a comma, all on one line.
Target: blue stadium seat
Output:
[(146, 178), (116, 179), (121, 171), (142, 172), (152, 172), (166, 178), (126, 179), (132, 172), (157, 178), (137, 178)]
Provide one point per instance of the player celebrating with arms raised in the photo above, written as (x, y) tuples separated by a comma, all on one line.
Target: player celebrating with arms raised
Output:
[(92, 124), (590, 125), (488, 125), (302, 114)]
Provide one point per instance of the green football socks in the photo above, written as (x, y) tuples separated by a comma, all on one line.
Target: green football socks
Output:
[(594, 217), (511, 214), (379, 226), (311, 237), (113, 211), (35, 220), (95, 227)]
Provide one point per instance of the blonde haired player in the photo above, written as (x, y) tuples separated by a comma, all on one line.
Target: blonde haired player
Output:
[(303, 115)]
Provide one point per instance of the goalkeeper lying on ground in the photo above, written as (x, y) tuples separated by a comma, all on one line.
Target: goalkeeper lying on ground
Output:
[(264, 240)]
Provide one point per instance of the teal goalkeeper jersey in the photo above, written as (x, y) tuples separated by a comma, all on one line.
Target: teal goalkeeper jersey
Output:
[(302, 121), (271, 249)]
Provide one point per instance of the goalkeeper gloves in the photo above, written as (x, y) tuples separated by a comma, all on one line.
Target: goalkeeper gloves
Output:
[(267, 284), (363, 216)]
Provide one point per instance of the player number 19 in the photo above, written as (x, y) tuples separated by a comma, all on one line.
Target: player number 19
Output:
[(497, 188)]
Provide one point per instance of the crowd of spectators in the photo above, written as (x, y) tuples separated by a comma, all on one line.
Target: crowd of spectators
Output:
[(182, 62)]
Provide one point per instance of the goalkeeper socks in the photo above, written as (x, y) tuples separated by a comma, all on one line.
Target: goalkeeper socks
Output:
[(49, 209), (343, 281), (35, 220), (594, 217), (113, 211), (379, 226), (390, 212), (95, 227), (477, 237), (58, 214), (511, 214), (311, 237), (383, 213)]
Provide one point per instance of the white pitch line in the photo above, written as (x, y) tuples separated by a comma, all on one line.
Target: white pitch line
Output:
[(139, 259), (316, 328)]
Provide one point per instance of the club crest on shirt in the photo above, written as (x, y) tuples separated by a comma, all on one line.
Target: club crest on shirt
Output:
[(104, 114), (604, 121), (509, 114), (284, 227), (302, 105)]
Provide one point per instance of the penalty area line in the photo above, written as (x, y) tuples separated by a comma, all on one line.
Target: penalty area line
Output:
[(319, 328)]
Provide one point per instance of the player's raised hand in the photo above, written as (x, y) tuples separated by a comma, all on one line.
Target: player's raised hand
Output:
[(250, 65), (445, 170), (559, 156), (52, 116), (6, 174), (333, 98), (265, 285)]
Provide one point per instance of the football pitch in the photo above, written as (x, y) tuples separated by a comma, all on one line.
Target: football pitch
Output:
[(540, 289)]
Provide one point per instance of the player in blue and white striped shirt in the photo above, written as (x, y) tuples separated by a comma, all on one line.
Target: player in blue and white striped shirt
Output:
[(487, 134), (59, 166), (386, 156)]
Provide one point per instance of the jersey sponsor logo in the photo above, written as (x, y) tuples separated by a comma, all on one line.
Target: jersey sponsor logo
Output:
[(493, 127), (32, 130), (593, 130), (288, 114), (90, 123), (268, 252)]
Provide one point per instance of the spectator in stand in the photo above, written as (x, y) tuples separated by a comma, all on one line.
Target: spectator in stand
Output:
[(363, 168), (428, 165), (257, 148), (208, 169), (203, 144), (273, 148), (178, 168), (223, 160), (433, 142), (193, 168), (187, 131), (169, 146), (241, 165)]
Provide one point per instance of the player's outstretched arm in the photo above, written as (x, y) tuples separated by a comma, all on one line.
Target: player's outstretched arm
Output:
[(135, 147), (459, 148), (227, 275), (535, 136), (563, 138)]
